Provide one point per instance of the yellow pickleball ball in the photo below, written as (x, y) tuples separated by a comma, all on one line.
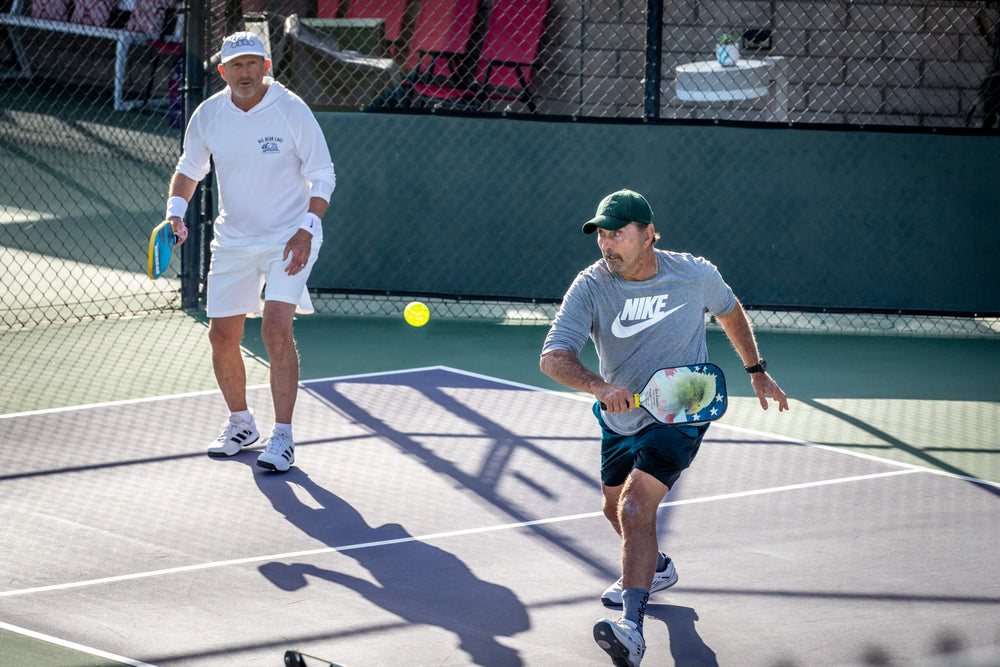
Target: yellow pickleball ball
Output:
[(416, 314)]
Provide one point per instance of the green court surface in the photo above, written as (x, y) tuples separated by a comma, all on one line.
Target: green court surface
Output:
[(19, 649), (931, 402)]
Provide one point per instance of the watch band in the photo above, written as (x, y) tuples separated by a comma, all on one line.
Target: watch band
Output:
[(759, 367)]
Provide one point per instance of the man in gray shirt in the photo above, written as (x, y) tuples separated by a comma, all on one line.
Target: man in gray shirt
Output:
[(645, 309)]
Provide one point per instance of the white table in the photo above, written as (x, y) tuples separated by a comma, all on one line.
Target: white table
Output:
[(707, 81)]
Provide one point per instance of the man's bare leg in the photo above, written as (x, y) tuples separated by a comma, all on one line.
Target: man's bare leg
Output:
[(225, 334), (276, 331)]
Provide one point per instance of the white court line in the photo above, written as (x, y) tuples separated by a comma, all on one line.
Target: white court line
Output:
[(572, 395), (437, 536), (72, 645), (128, 401), (806, 443), (862, 455), (206, 392)]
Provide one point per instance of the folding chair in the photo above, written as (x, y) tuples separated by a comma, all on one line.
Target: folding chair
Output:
[(393, 11), (505, 63), (440, 59), (510, 49), (162, 19), (327, 9)]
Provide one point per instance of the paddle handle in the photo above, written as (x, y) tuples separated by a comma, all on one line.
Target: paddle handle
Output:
[(635, 402)]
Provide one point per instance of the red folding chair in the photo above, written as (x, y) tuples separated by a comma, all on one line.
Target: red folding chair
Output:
[(505, 64), (440, 51), (327, 9), (393, 11), (510, 49)]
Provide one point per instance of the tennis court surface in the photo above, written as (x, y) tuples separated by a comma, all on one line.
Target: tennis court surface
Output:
[(440, 517)]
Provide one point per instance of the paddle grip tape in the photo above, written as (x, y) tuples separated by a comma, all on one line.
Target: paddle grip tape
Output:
[(635, 402)]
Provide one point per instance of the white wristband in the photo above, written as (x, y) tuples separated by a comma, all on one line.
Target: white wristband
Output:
[(310, 223), (176, 206)]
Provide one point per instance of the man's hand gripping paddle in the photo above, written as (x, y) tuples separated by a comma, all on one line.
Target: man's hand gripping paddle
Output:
[(161, 245), (684, 394)]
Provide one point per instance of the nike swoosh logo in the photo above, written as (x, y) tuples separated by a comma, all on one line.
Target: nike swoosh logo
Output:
[(625, 331)]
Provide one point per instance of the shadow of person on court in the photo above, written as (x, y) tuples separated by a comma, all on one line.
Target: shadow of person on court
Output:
[(414, 580), (686, 645)]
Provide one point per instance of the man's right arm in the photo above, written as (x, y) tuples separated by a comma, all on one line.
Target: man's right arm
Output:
[(565, 368), (194, 165), (182, 187)]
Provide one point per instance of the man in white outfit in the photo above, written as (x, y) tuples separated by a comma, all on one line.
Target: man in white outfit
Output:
[(275, 179)]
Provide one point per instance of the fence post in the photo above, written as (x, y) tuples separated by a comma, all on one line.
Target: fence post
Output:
[(194, 94), (654, 48)]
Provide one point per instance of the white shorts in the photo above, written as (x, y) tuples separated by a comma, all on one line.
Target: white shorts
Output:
[(236, 277)]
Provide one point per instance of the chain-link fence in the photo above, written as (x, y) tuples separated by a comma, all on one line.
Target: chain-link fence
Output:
[(92, 109), (929, 64), (83, 180)]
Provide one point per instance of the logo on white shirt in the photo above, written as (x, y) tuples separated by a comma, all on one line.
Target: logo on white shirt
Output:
[(643, 312), (270, 145)]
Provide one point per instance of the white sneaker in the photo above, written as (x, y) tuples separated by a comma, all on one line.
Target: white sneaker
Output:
[(279, 453), (621, 640), (234, 437), (612, 597)]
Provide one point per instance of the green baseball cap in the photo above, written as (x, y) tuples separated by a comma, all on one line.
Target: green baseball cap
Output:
[(619, 209)]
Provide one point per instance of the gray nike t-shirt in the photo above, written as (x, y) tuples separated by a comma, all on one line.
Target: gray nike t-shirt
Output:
[(641, 326)]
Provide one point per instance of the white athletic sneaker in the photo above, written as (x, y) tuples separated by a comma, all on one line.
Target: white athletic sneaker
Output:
[(279, 453), (612, 597), (234, 437), (621, 640)]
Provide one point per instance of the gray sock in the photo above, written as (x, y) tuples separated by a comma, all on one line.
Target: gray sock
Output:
[(635, 605), (661, 562)]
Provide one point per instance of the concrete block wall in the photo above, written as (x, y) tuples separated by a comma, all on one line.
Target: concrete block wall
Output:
[(857, 61)]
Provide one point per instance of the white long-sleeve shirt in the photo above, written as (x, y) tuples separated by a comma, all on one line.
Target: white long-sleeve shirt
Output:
[(269, 162)]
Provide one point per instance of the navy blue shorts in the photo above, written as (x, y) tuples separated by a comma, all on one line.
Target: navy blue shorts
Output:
[(659, 450)]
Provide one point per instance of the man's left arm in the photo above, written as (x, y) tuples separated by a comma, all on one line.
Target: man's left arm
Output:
[(299, 247), (737, 326), (318, 171)]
